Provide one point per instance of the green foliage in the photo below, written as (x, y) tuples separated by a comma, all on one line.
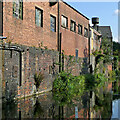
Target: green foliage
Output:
[(112, 76), (103, 104), (105, 54), (38, 111), (93, 82), (89, 82), (71, 61), (66, 87), (38, 77), (97, 52), (100, 80), (116, 46)]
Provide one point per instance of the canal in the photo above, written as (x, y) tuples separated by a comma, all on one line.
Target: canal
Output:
[(47, 106)]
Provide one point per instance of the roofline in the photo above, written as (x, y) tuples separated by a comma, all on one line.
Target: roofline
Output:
[(105, 26), (109, 27), (96, 31), (75, 9)]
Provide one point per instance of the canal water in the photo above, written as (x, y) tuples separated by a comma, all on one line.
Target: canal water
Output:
[(46, 106), (116, 109)]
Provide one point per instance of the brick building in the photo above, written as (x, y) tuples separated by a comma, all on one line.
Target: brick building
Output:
[(35, 31), (95, 42), (33, 23)]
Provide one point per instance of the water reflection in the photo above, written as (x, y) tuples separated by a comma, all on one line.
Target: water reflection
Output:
[(38, 111), (116, 109), (44, 106)]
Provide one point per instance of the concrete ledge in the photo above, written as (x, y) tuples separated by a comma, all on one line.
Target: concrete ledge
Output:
[(30, 95)]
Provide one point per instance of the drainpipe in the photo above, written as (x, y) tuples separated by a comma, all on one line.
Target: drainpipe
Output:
[(20, 68), (89, 42), (58, 31), (59, 36), (89, 63)]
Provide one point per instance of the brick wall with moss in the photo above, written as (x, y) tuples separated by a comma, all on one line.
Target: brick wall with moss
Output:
[(21, 63), (19, 69)]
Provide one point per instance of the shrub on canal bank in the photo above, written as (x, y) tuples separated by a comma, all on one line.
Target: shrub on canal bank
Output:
[(67, 87)]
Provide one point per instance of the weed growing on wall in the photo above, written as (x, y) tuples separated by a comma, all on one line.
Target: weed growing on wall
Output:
[(38, 77)]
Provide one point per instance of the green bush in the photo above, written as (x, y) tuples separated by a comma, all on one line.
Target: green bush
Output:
[(67, 87)]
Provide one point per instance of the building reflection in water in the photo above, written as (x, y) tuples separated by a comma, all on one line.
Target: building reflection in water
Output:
[(44, 106)]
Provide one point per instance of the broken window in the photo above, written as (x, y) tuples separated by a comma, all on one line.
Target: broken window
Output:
[(64, 21), (39, 17), (73, 26), (18, 9), (52, 23)]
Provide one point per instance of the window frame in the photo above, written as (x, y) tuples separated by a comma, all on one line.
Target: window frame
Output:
[(80, 33), (84, 32), (55, 23), (19, 13), (41, 25), (72, 21), (66, 21)]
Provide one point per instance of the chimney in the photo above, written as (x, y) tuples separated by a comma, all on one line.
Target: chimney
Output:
[(52, 2), (95, 22)]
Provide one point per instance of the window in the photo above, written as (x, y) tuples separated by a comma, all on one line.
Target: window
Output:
[(73, 26), (64, 21), (39, 17), (18, 9), (76, 54), (85, 32), (80, 29), (52, 23)]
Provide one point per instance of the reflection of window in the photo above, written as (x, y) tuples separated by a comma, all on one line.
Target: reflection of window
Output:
[(72, 26), (85, 32), (80, 29), (64, 21), (52, 23), (76, 53), (18, 9), (39, 17)]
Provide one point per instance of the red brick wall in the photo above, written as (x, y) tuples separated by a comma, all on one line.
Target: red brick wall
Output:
[(72, 40), (0, 18), (26, 32), (109, 67)]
